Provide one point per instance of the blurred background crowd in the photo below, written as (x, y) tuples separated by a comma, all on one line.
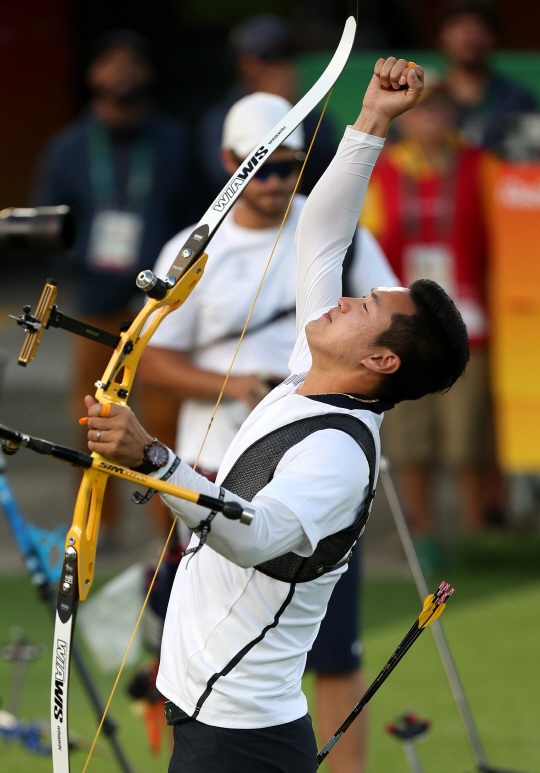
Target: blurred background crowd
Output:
[(118, 113), (116, 109)]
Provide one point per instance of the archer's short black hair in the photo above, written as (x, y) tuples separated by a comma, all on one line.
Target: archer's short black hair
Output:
[(432, 344), (484, 10)]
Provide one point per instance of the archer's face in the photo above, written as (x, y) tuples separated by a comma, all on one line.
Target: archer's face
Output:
[(346, 334)]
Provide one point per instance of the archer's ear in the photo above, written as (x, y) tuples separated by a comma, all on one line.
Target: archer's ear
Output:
[(228, 161), (384, 361)]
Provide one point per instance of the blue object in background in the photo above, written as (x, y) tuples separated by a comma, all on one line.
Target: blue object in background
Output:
[(42, 550)]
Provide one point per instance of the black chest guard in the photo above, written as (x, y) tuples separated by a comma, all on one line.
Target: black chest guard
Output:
[(255, 468)]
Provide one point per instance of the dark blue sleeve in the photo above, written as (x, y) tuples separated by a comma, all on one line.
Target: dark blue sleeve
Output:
[(512, 98), (174, 201), (48, 187), (323, 150), (63, 171), (63, 178)]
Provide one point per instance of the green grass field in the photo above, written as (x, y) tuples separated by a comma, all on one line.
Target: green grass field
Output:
[(492, 624)]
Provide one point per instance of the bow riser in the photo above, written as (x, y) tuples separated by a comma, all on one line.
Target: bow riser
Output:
[(124, 362), (83, 533), (85, 526)]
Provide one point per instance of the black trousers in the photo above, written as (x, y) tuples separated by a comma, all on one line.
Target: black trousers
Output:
[(289, 748)]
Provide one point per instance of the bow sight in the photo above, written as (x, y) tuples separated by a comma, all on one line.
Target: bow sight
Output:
[(47, 315)]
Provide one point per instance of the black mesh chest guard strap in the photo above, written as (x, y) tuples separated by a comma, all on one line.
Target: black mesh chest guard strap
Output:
[(255, 468)]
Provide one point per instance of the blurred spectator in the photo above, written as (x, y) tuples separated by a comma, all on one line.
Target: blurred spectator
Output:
[(123, 168), (262, 51), (469, 32), (424, 206), (191, 352)]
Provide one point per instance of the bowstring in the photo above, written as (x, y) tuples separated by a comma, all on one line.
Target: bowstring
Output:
[(130, 643), (175, 519)]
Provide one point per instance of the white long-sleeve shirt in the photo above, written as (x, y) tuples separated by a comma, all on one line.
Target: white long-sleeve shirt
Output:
[(235, 640)]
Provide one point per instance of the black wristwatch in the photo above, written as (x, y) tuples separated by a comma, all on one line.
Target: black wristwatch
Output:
[(155, 456)]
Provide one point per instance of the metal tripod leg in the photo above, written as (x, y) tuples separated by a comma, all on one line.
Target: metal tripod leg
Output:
[(412, 756), (438, 634), (407, 729)]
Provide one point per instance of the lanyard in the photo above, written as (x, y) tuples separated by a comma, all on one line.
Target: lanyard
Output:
[(102, 170)]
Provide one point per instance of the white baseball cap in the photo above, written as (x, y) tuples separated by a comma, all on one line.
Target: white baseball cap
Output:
[(251, 118)]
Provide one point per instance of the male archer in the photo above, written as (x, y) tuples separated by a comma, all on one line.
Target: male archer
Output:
[(192, 349), (246, 608)]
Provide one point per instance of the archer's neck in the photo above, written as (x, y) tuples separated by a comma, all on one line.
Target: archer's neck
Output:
[(320, 381)]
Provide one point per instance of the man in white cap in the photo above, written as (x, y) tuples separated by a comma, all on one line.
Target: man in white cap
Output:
[(192, 349)]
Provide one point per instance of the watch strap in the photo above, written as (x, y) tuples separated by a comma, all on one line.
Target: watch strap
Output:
[(142, 499)]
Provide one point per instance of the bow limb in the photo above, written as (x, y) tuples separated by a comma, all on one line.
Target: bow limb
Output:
[(115, 385), (81, 541)]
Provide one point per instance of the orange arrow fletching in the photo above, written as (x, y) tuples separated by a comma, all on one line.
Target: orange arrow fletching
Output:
[(438, 611)]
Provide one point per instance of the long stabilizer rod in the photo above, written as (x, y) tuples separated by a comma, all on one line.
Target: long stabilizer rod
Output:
[(13, 440)]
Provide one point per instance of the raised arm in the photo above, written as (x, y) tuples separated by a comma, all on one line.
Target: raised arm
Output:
[(330, 216)]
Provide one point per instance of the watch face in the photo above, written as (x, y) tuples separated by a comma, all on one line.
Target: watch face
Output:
[(158, 454)]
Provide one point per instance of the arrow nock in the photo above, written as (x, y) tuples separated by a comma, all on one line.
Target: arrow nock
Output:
[(434, 605)]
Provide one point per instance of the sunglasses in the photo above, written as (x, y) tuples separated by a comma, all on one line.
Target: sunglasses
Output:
[(283, 169)]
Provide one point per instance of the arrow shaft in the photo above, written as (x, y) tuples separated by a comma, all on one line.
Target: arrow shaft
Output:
[(432, 609)]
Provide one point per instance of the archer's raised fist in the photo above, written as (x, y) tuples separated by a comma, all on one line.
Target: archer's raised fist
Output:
[(385, 94)]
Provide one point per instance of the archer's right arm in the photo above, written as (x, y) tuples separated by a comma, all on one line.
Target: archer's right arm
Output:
[(329, 218)]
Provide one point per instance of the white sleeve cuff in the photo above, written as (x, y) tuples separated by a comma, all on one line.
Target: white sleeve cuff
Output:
[(363, 138)]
